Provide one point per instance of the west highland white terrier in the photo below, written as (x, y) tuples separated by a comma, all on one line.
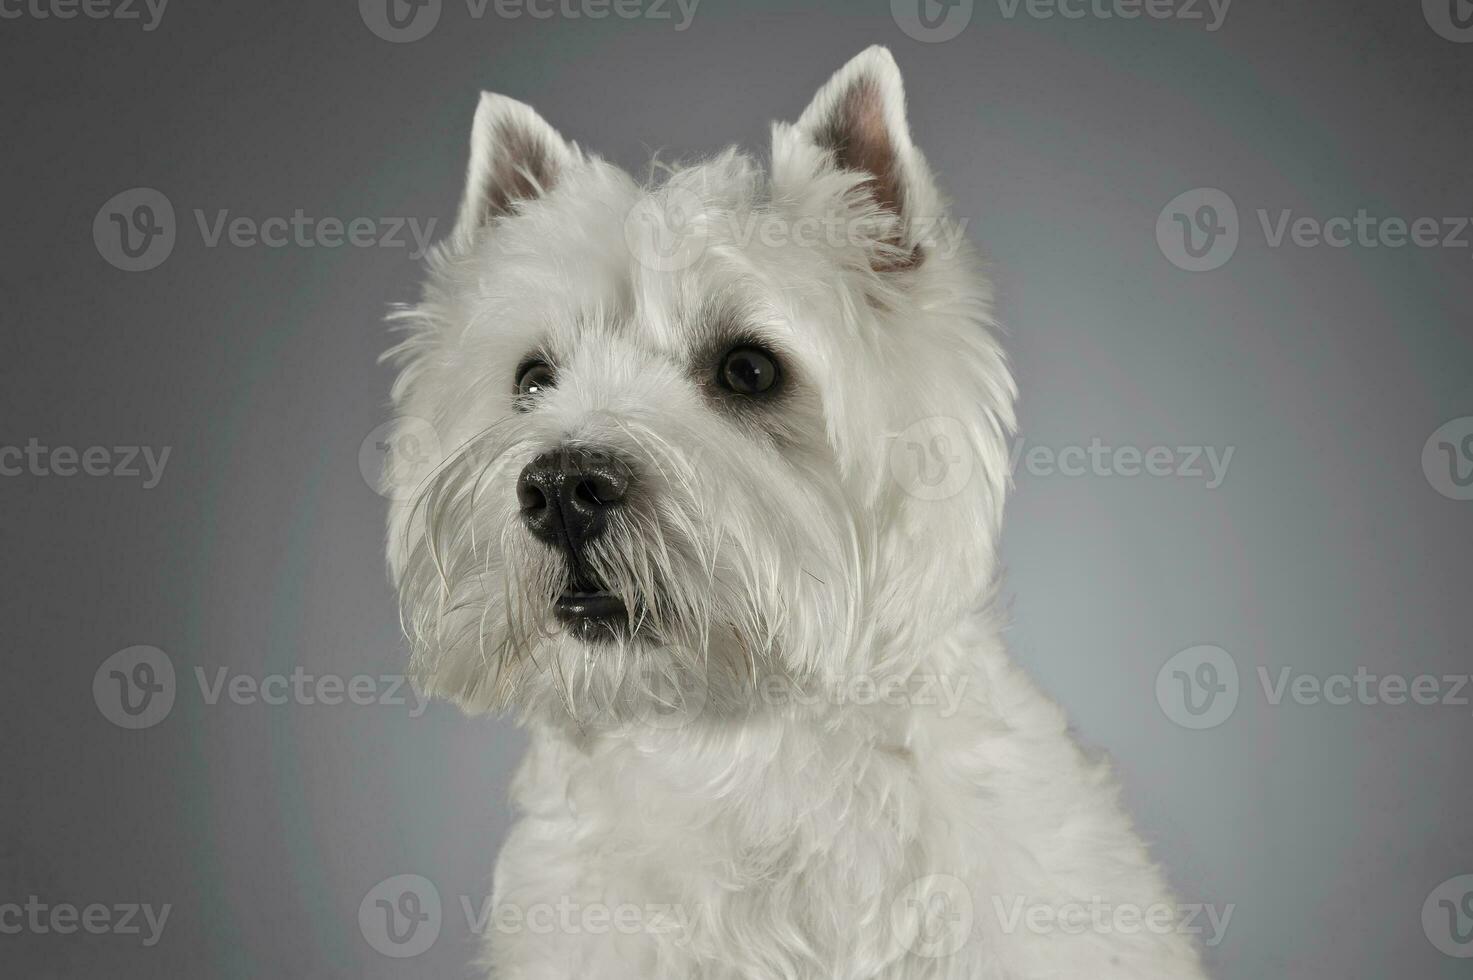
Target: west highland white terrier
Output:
[(724, 460)]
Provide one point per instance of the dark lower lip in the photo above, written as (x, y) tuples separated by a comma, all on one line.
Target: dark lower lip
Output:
[(590, 608)]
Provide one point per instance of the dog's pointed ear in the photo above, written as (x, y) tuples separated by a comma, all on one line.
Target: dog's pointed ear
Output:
[(515, 156), (857, 122)]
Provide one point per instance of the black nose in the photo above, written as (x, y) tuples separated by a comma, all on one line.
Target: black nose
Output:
[(566, 495)]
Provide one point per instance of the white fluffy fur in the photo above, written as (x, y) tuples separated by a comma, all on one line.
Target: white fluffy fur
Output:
[(766, 547)]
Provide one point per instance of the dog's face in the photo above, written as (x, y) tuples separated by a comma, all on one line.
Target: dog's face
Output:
[(681, 424)]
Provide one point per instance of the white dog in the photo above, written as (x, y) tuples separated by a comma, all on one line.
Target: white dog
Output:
[(679, 527)]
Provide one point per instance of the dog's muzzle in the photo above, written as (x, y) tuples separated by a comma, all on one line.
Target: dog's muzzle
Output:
[(566, 498)]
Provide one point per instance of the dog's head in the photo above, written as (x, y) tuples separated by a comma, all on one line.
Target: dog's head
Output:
[(727, 424)]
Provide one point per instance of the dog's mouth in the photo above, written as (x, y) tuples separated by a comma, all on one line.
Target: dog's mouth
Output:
[(591, 612)]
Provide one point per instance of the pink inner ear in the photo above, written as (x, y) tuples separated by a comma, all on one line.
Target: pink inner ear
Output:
[(523, 168), (859, 136), (860, 140)]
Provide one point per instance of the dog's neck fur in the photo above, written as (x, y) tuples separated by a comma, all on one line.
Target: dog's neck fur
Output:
[(784, 812)]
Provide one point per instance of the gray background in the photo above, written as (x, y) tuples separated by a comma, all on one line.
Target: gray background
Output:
[(1326, 547)]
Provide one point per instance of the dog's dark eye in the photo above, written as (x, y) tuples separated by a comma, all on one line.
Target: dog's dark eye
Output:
[(748, 371), (533, 377)]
